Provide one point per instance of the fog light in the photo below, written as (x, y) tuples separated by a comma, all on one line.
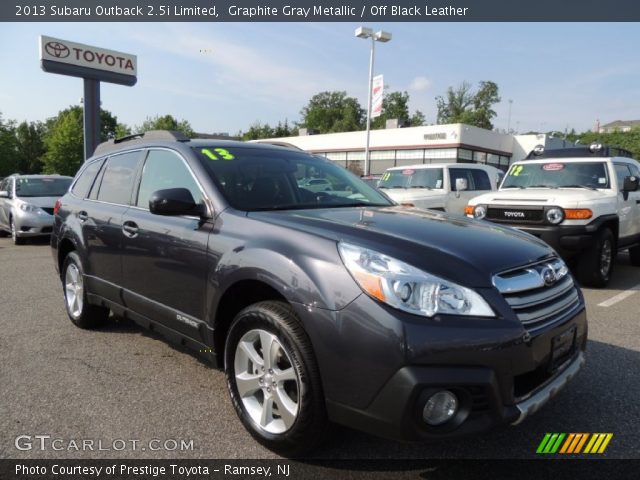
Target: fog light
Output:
[(440, 408)]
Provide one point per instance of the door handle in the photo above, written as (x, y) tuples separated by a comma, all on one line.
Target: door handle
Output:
[(83, 216), (130, 229)]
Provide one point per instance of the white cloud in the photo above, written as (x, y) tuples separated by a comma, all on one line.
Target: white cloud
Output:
[(420, 84)]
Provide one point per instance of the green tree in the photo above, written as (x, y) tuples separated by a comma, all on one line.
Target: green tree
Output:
[(330, 112), (258, 131), (166, 122), (462, 105), (8, 163), (627, 140), (30, 147), (396, 105), (64, 140)]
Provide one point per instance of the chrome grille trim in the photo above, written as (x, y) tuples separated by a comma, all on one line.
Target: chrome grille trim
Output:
[(535, 304)]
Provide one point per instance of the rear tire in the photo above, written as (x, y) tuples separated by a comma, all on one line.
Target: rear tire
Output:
[(595, 266), (80, 312), (634, 256), (276, 393)]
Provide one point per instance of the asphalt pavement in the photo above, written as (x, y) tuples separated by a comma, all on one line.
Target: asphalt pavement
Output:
[(135, 396)]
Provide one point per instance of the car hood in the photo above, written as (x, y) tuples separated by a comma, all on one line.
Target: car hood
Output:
[(564, 197), (408, 194), (454, 247)]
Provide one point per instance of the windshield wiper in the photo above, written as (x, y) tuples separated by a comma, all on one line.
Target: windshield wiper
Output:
[(421, 186), (541, 186), (578, 186)]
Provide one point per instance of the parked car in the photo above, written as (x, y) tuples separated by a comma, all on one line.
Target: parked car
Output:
[(582, 202), (316, 184), (26, 204), (439, 186), (321, 308)]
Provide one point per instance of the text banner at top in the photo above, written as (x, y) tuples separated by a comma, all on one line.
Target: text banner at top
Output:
[(319, 11)]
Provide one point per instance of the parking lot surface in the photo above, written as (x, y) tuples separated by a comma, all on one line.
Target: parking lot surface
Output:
[(123, 392)]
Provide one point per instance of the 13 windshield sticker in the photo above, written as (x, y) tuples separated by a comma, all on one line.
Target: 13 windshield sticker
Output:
[(220, 154)]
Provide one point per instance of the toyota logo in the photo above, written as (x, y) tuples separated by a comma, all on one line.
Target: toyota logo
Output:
[(548, 275), (57, 49)]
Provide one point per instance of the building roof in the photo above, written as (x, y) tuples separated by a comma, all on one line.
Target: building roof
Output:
[(621, 123)]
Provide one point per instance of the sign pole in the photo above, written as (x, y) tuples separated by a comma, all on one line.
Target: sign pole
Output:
[(91, 104)]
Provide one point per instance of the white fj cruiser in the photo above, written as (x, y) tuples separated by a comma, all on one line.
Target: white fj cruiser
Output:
[(584, 202), (439, 186)]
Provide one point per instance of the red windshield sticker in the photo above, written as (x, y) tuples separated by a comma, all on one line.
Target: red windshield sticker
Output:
[(553, 167), (408, 172)]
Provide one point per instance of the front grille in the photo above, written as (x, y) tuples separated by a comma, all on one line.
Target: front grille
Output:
[(515, 214), (536, 304), (48, 210)]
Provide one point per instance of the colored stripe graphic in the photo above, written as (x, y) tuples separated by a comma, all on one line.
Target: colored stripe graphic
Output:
[(573, 443)]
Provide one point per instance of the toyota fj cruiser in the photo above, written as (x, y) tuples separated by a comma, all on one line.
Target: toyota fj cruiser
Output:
[(439, 186), (319, 306), (583, 202)]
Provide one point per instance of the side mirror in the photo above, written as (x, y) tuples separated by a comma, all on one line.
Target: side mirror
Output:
[(630, 184), (461, 184), (4, 194), (174, 201)]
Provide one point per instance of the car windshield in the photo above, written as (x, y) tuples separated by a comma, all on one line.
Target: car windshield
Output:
[(256, 179), (42, 187), (557, 175), (412, 178)]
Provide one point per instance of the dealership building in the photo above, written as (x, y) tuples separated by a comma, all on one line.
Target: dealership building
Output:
[(394, 147)]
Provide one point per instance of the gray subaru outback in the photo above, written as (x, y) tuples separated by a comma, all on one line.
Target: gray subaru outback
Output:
[(320, 306)]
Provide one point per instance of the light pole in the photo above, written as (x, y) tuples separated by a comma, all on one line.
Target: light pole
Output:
[(379, 36)]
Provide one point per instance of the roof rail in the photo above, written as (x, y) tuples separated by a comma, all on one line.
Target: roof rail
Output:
[(593, 150), (277, 143), (165, 135)]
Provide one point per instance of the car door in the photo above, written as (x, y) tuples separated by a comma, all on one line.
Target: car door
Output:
[(478, 182), (635, 202), (164, 257), (101, 218), (626, 207)]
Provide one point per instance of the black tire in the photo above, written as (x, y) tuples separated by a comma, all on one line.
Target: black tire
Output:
[(80, 312), (289, 435), (14, 236), (595, 266), (634, 256)]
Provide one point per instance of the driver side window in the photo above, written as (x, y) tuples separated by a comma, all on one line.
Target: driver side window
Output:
[(164, 169)]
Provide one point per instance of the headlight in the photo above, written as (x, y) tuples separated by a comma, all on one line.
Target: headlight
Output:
[(480, 212), (407, 288), (31, 208), (555, 215)]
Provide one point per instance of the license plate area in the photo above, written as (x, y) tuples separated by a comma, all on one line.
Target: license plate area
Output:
[(563, 346)]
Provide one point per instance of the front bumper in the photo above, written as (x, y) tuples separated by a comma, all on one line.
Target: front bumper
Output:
[(379, 367), (30, 224)]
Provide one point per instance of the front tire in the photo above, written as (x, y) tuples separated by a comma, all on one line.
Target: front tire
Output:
[(273, 379), (634, 256), (594, 268), (80, 312), (14, 234)]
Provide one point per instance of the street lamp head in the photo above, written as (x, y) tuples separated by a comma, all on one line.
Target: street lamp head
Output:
[(382, 36), (363, 32)]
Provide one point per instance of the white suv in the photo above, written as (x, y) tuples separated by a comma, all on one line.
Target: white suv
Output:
[(582, 202), (439, 186)]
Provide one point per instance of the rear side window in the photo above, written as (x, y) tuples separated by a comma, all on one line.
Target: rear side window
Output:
[(476, 179), (118, 178), (85, 180), (162, 170)]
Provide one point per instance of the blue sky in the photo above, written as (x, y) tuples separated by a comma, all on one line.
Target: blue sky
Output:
[(222, 77)]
